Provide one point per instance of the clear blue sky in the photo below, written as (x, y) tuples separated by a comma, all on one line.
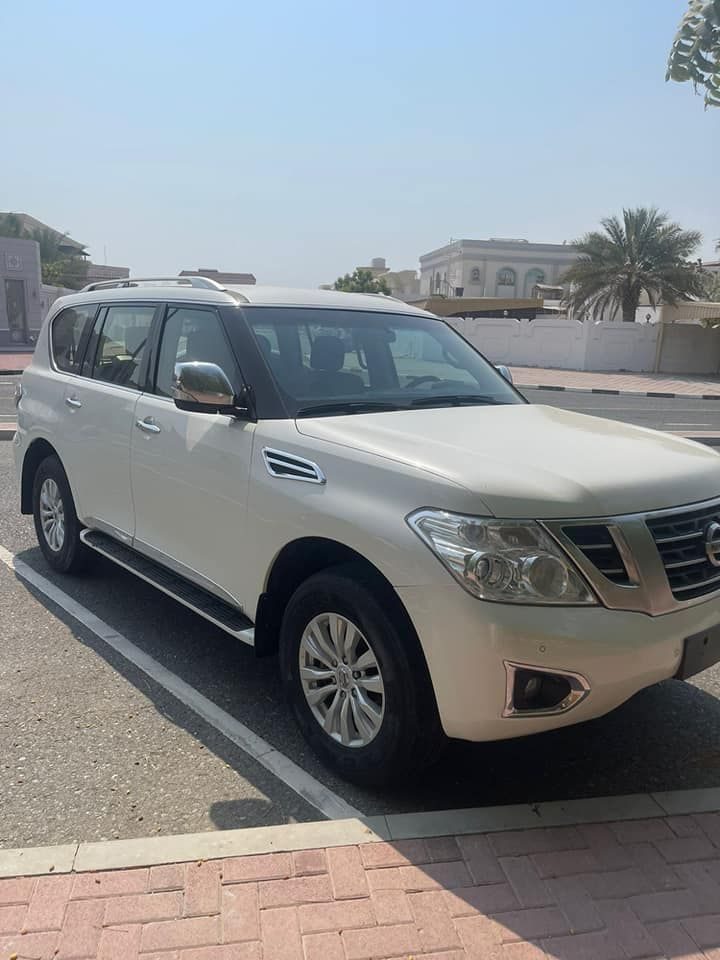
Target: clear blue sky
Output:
[(299, 139)]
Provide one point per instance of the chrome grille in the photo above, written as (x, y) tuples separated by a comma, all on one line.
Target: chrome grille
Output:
[(680, 539), (596, 543)]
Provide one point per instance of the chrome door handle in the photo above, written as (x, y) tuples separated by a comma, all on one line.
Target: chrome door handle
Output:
[(148, 425), (73, 402)]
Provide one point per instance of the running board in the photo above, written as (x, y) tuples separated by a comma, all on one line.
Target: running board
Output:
[(202, 602)]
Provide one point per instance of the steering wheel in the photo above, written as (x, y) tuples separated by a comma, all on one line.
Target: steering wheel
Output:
[(416, 381)]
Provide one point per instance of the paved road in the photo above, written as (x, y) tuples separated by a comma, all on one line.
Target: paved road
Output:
[(674, 415), (92, 749)]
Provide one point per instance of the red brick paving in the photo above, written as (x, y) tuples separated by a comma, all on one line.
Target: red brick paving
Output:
[(640, 889), (14, 361)]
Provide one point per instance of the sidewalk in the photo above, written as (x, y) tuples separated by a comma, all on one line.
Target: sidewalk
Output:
[(630, 888), (14, 363), (645, 384)]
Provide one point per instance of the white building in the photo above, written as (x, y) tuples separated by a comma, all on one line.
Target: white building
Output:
[(493, 268)]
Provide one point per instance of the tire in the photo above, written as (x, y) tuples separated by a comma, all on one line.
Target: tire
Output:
[(407, 736), (52, 501)]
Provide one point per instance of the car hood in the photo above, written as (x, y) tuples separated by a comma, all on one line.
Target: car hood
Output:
[(533, 461)]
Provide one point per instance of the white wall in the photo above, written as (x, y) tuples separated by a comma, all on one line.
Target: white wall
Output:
[(571, 345)]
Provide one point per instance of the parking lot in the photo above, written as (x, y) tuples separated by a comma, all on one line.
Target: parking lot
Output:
[(95, 748)]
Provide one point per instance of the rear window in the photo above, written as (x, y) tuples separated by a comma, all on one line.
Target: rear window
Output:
[(68, 335)]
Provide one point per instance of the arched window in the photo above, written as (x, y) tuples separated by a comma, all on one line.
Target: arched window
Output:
[(506, 277), (532, 277), (475, 275)]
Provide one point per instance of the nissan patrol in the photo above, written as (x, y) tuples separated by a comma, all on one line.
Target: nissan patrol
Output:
[(343, 479)]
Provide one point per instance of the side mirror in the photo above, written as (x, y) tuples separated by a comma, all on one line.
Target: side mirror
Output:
[(503, 371), (201, 387)]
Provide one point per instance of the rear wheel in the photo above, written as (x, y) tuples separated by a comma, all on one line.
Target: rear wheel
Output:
[(56, 523), (356, 681)]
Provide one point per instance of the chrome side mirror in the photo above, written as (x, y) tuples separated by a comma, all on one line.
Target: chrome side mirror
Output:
[(503, 371), (203, 388)]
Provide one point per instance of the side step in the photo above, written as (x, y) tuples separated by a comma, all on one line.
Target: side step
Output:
[(202, 602)]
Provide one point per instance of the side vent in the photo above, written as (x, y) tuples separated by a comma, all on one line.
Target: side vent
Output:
[(287, 466)]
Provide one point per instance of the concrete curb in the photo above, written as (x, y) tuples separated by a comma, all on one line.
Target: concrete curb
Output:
[(620, 393), (7, 431), (214, 845)]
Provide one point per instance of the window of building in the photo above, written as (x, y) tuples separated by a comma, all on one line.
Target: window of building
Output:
[(475, 275), (437, 282), (69, 329), (506, 277), (533, 277), (192, 334), (121, 344)]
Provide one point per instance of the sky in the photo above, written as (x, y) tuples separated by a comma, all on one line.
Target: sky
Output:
[(299, 140)]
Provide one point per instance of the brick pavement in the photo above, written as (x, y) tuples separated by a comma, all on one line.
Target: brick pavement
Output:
[(12, 362), (688, 386), (635, 889)]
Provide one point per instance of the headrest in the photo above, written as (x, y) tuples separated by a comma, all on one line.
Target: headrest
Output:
[(328, 353)]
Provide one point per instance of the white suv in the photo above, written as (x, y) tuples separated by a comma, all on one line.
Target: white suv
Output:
[(344, 479)]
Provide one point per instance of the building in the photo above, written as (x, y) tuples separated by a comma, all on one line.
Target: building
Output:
[(102, 271), (34, 229), (501, 268), (220, 276), (21, 310)]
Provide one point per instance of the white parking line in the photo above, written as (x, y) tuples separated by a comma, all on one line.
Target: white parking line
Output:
[(315, 793)]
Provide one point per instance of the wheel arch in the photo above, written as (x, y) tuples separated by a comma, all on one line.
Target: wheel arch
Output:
[(295, 563), (38, 451)]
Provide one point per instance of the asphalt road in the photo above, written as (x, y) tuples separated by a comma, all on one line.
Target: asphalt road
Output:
[(90, 748), (659, 414)]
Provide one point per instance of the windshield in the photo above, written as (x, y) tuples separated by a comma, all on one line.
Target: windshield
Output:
[(329, 362)]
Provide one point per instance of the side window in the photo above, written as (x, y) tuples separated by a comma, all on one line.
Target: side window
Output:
[(192, 334), (121, 344), (68, 329)]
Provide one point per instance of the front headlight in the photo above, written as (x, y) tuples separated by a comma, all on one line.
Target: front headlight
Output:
[(513, 561)]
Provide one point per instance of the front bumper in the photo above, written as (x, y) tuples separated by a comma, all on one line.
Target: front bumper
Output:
[(467, 642)]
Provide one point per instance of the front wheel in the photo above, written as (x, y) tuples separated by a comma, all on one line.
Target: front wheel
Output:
[(357, 682), (56, 523)]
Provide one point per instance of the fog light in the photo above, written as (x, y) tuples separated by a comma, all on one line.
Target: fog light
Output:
[(539, 691)]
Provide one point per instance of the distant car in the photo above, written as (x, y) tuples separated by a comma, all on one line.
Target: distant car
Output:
[(344, 479)]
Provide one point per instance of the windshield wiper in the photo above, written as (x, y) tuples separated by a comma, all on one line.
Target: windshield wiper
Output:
[(457, 400), (346, 406)]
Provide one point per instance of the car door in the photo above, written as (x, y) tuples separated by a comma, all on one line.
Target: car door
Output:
[(98, 409), (190, 471)]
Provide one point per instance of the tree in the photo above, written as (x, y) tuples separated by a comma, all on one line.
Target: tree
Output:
[(695, 52), (642, 253), (362, 281), (10, 225)]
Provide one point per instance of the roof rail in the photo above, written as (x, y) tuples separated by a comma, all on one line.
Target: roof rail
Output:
[(203, 282)]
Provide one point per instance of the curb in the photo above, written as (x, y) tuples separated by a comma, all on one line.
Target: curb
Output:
[(215, 845), (7, 432), (620, 393)]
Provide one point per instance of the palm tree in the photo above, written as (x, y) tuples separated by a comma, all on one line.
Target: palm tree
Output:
[(695, 53), (644, 252)]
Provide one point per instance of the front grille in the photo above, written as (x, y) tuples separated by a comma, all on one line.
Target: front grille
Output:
[(594, 540), (680, 539)]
